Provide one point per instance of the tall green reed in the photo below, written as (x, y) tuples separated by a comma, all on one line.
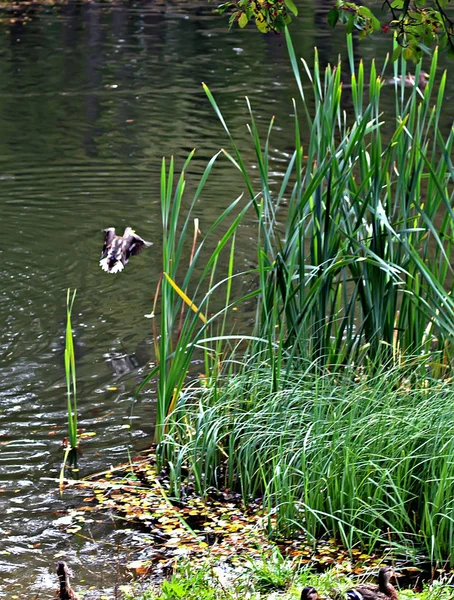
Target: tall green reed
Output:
[(362, 270), (184, 331), (332, 415), (70, 374)]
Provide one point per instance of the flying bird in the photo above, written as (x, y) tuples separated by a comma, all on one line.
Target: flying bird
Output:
[(118, 248)]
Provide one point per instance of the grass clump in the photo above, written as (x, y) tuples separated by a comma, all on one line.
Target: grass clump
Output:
[(370, 461), (272, 573)]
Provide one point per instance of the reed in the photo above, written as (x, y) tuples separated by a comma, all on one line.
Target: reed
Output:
[(336, 407), (70, 374), (184, 329), (362, 271)]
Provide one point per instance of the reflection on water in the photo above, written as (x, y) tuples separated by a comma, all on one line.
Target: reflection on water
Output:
[(91, 98)]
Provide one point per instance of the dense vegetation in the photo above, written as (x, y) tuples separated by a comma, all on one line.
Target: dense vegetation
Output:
[(335, 407)]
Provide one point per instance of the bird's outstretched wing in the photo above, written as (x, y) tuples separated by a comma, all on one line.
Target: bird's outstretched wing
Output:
[(136, 244), (109, 235)]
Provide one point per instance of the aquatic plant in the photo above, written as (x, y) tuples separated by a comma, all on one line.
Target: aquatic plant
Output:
[(361, 272), (184, 327), (70, 374), (332, 411), (366, 460)]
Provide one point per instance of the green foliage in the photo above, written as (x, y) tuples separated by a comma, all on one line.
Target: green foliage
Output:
[(359, 273), (368, 461), (269, 15), (187, 583), (274, 572), (417, 25), (183, 330), (203, 583), (333, 413)]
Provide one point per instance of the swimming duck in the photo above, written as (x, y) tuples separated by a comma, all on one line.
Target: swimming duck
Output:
[(66, 592), (410, 80), (309, 593), (118, 248), (383, 591)]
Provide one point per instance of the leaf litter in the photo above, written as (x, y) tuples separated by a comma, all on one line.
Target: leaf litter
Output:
[(217, 526)]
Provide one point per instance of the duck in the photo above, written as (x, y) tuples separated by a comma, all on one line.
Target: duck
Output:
[(118, 248), (65, 592), (410, 80), (383, 591), (309, 593)]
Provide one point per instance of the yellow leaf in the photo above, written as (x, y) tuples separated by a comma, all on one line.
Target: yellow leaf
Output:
[(184, 297), (261, 23), (243, 20), (73, 529)]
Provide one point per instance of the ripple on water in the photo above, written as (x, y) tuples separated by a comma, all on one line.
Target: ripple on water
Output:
[(91, 98)]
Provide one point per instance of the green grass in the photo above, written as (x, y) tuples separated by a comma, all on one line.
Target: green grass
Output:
[(368, 460), (220, 582)]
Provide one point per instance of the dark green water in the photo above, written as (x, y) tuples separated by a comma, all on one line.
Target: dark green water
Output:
[(91, 98)]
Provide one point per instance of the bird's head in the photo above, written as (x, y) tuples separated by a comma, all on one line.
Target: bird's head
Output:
[(385, 573), (309, 593)]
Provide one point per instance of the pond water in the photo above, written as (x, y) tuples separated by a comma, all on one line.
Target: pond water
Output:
[(91, 97)]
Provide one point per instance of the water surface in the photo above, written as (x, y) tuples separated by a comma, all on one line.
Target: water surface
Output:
[(91, 97)]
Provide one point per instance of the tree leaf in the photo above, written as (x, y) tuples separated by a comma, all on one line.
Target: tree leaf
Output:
[(291, 6), (408, 53), (350, 24), (243, 20), (396, 53), (333, 17), (261, 24)]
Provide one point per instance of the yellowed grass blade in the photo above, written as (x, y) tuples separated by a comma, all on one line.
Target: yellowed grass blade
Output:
[(185, 298)]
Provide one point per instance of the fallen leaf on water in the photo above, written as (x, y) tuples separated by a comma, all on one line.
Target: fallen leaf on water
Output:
[(87, 434)]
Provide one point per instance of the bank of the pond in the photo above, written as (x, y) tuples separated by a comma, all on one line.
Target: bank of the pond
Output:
[(196, 547), (365, 459), (186, 525), (213, 548), (268, 579)]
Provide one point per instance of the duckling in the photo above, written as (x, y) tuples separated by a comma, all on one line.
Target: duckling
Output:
[(309, 593), (410, 80), (383, 591), (117, 249), (66, 592)]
